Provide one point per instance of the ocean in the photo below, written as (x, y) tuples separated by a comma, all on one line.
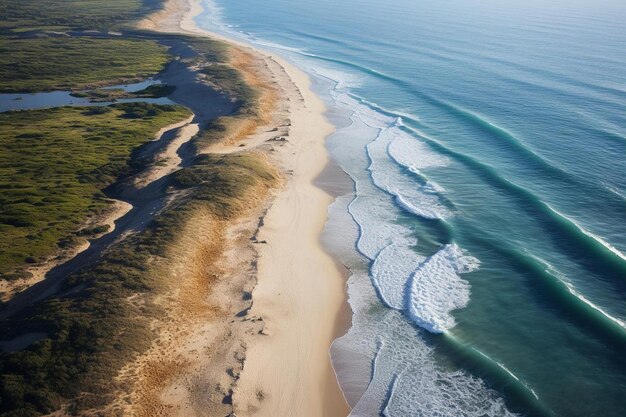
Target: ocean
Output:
[(486, 234)]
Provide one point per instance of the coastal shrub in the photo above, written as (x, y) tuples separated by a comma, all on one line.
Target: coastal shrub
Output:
[(229, 79), (220, 180), (91, 111), (111, 95), (155, 91), (45, 64), (209, 50), (51, 182), (93, 330), (26, 15)]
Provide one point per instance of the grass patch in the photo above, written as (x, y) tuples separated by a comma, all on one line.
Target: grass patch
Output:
[(213, 60), (95, 331), (109, 95), (21, 15), (229, 79), (154, 91), (44, 64), (53, 164)]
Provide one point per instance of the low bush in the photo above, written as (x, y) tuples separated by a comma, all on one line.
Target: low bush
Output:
[(51, 181)]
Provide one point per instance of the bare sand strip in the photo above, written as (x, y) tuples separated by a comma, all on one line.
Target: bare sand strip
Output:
[(167, 160), (300, 290)]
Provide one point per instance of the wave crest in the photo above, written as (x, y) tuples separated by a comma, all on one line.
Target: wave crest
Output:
[(436, 289)]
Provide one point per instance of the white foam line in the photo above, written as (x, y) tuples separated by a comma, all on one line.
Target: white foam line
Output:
[(392, 391), (572, 290), (615, 191), (401, 201), (508, 371), (582, 298), (597, 238)]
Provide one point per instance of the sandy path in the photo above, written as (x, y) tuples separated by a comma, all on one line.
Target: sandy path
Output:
[(168, 160)]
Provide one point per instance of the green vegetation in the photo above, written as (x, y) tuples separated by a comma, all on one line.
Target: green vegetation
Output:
[(94, 141), (229, 79), (154, 91), (24, 15), (208, 50), (108, 95), (36, 64), (213, 61), (95, 331), (54, 163)]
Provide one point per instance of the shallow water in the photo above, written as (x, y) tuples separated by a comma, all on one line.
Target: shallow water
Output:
[(31, 101), (487, 236)]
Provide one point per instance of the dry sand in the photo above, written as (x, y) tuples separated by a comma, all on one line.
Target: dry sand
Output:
[(300, 291), (271, 359)]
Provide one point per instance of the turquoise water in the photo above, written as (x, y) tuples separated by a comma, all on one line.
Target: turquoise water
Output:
[(487, 233)]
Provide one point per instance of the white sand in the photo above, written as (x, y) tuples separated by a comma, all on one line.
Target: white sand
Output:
[(300, 291)]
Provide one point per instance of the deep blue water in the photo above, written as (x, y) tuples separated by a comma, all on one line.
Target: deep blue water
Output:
[(487, 142)]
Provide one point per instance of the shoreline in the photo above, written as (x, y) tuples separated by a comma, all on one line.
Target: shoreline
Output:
[(302, 314)]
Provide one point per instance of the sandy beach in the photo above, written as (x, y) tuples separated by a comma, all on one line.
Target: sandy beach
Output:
[(275, 353), (244, 208)]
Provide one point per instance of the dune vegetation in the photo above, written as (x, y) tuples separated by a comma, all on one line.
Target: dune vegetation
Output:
[(54, 164), (19, 16), (94, 330), (63, 63)]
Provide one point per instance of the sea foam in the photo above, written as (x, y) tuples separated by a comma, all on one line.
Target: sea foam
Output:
[(413, 154), (390, 272), (412, 196), (405, 378), (425, 287), (436, 289), (383, 364)]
